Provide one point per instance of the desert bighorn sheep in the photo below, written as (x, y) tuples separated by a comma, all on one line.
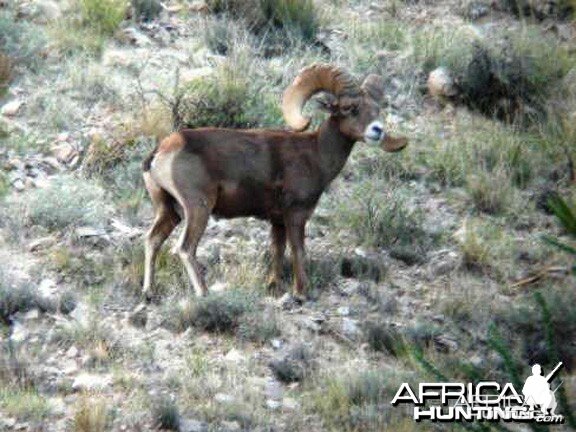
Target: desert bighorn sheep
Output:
[(269, 174)]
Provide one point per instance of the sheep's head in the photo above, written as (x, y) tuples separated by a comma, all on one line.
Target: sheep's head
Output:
[(355, 105)]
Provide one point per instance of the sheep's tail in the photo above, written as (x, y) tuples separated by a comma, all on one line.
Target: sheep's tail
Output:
[(147, 162)]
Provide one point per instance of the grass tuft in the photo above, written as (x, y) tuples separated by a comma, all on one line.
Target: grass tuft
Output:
[(166, 415)]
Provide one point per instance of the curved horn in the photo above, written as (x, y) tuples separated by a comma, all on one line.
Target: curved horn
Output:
[(311, 80)]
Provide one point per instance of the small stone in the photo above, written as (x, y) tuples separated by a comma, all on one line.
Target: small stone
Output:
[(234, 356), (192, 425), (139, 316), (350, 327), (91, 382), (276, 343), (230, 426), (19, 332), (290, 404), (224, 398), (86, 231), (343, 311), (31, 315), (41, 243), (273, 404), (136, 37), (72, 352), (11, 108), (64, 152), (273, 389), (441, 84), (218, 286)]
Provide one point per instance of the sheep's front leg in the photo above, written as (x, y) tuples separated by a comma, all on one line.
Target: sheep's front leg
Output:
[(278, 247), (296, 229)]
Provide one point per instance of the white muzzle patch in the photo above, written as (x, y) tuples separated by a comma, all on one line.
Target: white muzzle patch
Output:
[(374, 133)]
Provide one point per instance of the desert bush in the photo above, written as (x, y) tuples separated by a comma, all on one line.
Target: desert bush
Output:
[(165, 414), (283, 18), (258, 327), (380, 216), (146, 10), (5, 73), (24, 404), (102, 15), (297, 365), (19, 298), (66, 201), (219, 313), (540, 9), (20, 41), (356, 400), (90, 415), (490, 192)]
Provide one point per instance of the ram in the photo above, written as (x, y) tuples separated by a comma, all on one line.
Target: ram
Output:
[(274, 175)]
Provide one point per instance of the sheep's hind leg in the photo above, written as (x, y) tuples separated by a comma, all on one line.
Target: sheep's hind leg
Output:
[(196, 219), (164, 223)]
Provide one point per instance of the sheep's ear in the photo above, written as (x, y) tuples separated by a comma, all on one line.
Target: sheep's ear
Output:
[(373, 86), (327, 102)]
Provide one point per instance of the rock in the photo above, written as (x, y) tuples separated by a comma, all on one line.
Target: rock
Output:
[(188, 75), (136, 37), (273, 404), (91, 382), (230, 426), (444, 262), (86, 231), (218, 286), (290, 404), (224, 398), (441, 84), (19, 332), (139, 316), (31, 315), (64, 152), (350, 327), (276, 343), (343, 311), (273, 389), (199, 7), (8, 422), (72, 352), (234, 356), (81, 314), (192, 425), (41, 243), (11, 108)]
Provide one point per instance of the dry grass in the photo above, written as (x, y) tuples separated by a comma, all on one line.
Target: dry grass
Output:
[(90, 415)]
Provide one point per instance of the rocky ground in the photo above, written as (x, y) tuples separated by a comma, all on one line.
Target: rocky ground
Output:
[(407, 260)]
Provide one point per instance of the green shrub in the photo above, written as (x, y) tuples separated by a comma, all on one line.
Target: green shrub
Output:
[(24, 404), (19, 298), (380, 216), (104, 16), (66, 201), (220, 313), (20, 41), (281, 20), (146, 10), (166, 414), (356, 401), (257, 327)]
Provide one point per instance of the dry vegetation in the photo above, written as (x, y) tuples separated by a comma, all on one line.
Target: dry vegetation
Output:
[(454, 258)]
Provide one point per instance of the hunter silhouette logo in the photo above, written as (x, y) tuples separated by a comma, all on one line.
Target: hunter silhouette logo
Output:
[(537, 390), (484, 400)]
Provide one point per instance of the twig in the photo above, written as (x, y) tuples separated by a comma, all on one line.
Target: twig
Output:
[(540, 275)]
